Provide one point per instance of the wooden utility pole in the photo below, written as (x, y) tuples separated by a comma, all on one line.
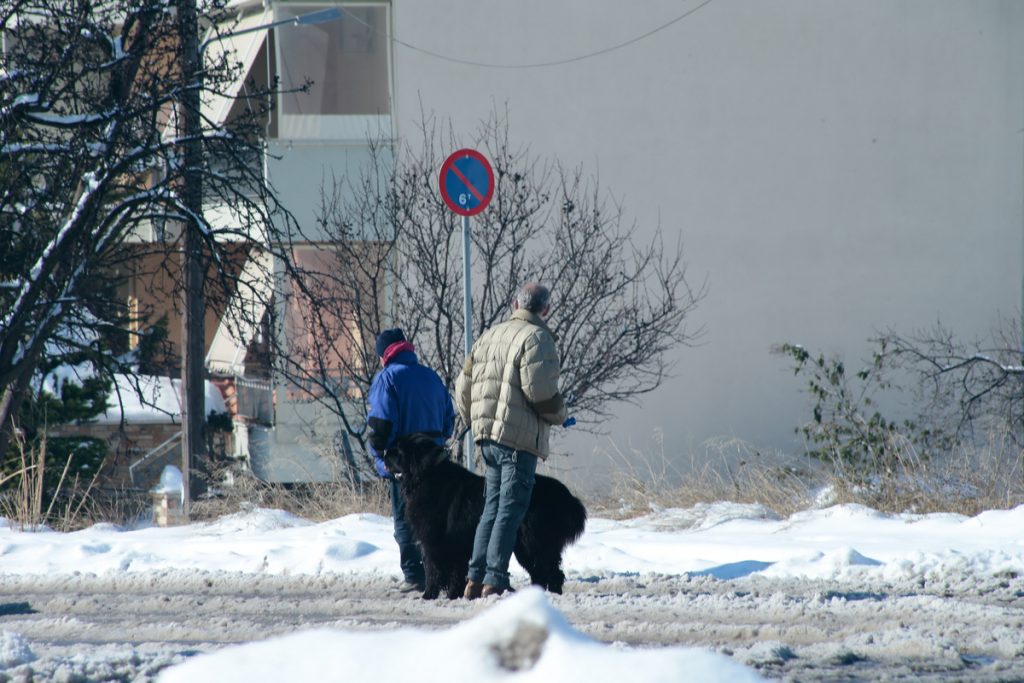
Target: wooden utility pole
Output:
[(193, 342)]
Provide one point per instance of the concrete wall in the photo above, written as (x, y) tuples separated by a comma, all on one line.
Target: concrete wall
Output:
[(833, 167)]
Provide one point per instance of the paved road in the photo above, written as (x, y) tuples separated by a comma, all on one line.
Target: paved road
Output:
[(129, 626)]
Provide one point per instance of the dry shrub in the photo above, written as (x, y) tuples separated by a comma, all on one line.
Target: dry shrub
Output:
[(967, 481), (29, 505), (114, 506), (350, 491), (238, 489)]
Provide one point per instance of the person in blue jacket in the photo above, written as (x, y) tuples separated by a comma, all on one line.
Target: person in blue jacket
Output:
[(405, 398)]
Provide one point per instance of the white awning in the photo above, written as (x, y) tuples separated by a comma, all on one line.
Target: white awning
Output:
[(242, 318), (241, 49)]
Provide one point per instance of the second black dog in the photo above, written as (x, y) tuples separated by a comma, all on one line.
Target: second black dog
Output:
[(444, 502)]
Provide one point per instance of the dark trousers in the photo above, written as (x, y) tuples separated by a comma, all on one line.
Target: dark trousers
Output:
[(408, 551)]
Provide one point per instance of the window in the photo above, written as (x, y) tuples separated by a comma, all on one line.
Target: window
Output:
[(345, 65), (334, 76), (321, 334)]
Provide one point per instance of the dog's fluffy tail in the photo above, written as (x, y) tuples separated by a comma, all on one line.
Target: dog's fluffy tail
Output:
[(575, 520), (564, 515)]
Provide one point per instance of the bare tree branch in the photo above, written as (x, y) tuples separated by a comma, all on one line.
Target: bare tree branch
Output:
[(90, 156), (395, 258), (980, 385)]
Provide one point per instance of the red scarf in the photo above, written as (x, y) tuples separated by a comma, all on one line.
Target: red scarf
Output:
[(394, 350)]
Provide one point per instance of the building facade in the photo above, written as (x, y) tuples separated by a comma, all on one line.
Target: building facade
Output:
[(833, 169)]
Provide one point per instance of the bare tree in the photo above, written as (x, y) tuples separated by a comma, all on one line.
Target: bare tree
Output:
[(395, 258), (927, 395), (90, 154), (974, 388)]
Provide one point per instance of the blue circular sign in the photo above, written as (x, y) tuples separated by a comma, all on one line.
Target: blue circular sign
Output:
[(467, 182)]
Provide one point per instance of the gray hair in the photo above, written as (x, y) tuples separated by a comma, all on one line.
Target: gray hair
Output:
[(534, 297)]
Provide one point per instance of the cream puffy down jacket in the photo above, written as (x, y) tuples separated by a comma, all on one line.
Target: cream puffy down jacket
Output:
[(508, 388)]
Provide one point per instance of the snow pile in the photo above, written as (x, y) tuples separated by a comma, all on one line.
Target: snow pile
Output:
[(520, 636), (14, 650), (701, 516), (722, 540)]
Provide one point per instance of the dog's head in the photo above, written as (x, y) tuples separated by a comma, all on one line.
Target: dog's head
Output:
[(414, 455)]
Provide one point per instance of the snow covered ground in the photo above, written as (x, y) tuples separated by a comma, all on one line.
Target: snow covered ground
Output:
[(716, 592)]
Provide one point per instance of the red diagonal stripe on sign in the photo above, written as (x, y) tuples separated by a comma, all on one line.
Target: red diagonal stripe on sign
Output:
[(465, 181)]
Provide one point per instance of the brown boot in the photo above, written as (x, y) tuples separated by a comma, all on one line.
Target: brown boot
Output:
[(473, 590), (489, 590)]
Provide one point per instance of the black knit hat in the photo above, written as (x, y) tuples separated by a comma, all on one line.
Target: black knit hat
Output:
[(387, 338)]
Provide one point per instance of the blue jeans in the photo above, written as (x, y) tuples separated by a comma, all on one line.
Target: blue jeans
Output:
[(509, 485), (408, 552)]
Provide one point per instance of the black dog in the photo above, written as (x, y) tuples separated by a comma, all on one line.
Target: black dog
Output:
[(444, 502)]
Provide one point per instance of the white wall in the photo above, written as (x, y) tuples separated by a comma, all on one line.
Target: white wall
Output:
[(833, 167)]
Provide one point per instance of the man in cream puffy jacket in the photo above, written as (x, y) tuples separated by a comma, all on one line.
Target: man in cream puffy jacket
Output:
[(508, 394)]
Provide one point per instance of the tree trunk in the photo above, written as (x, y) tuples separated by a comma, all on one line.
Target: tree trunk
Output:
[(193, 443)]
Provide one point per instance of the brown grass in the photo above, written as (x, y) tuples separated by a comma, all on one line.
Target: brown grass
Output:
[(967, 482), (28, 506), (318, 501), (729, 470)]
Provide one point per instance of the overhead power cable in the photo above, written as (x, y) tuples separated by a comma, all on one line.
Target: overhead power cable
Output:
[(534, 65)]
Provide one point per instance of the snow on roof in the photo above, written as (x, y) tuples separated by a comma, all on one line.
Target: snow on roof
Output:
[(160, 401)]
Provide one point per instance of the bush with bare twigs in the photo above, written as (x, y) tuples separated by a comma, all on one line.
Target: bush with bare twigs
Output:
[(393, 257)]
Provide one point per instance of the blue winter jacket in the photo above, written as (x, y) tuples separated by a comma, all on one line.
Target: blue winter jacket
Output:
[(406, 397)]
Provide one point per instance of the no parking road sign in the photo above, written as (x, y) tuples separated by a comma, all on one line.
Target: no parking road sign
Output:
[(467, 182)]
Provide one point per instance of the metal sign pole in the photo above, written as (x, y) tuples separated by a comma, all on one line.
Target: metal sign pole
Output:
[(467, 184), (467, 316)]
